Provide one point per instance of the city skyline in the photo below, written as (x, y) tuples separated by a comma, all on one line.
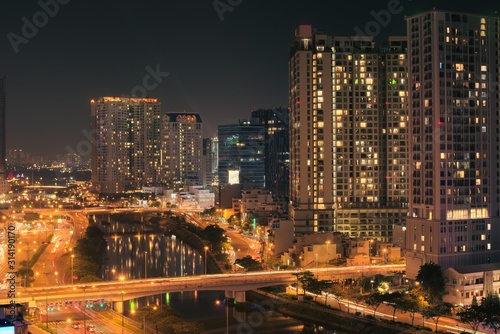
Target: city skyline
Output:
[(220, 63)]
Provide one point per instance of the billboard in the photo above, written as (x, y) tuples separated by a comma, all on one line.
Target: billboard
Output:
[(7, 330), (233, 177)]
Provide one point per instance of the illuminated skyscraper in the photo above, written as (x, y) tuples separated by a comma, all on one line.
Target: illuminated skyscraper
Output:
[(276, 150), (126, 148), (241, 154), (182, 149), (210, 161), (454, 145), (348, 134)]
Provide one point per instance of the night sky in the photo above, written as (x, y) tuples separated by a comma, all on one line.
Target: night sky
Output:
[(221, 69)]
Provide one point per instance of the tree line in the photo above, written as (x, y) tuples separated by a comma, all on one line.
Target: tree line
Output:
[(425, 298)]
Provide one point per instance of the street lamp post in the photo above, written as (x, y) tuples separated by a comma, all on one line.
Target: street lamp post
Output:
[(348, 301), (327, 250), (72, 257), (227, 317), (122, 278), (316, 256), (145, 261), (46, 301), (206, 248), (84, 314)]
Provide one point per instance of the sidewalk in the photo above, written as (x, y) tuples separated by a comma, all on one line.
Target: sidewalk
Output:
[(385, 312)]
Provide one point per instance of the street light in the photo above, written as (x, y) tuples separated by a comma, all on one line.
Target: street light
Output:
[(316, 257), (46, 301), (145, 261), (84, 309), (72, 257), (206, 248), (327, 244), (122, 278)]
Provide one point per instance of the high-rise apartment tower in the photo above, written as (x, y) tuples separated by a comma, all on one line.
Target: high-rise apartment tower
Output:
[(348, 134), (454, 145), (126, 147)]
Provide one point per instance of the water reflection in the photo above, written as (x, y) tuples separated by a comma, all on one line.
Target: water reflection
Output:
[(150, 255), (136, 252)]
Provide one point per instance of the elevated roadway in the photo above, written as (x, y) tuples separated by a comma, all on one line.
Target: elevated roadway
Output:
[(130, 289)]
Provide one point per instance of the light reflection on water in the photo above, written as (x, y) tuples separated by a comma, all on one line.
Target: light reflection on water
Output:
[(135, 254), (150, 255)]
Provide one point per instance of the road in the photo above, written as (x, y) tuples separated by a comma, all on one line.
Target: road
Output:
[(386, 312), (74, 320), (242, 245)]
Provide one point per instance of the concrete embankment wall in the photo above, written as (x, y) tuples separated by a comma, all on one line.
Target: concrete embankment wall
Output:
[(342, 322)]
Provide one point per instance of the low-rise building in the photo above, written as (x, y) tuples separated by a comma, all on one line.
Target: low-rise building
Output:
[(463, 283), (204, 198), (280, 234), (253, 200)]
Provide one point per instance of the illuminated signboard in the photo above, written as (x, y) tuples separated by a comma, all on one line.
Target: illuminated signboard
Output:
[(7, 330), (232, 140), (233, 177)]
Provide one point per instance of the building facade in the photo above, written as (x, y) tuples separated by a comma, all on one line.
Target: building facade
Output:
[(126, 143), (241, 154), (454, 145), (210, 161), (182, 149), (276, 150), (348, 134)]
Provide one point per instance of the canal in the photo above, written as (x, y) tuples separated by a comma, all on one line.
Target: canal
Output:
[(134, 252)]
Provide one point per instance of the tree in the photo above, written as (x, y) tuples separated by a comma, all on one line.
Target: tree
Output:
[(473, 315), (374, 300), (248, 263), (26, 275), (491, 306), (436, 311), (413, 302), (84, 266), (384, 287), (209, 212), (317, 287), (216, 236), (431, 280), (394, 300), (338, 292), (306, 280), (31, 216)]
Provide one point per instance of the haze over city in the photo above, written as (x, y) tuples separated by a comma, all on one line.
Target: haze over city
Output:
[(221, 63), (163, 162)]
